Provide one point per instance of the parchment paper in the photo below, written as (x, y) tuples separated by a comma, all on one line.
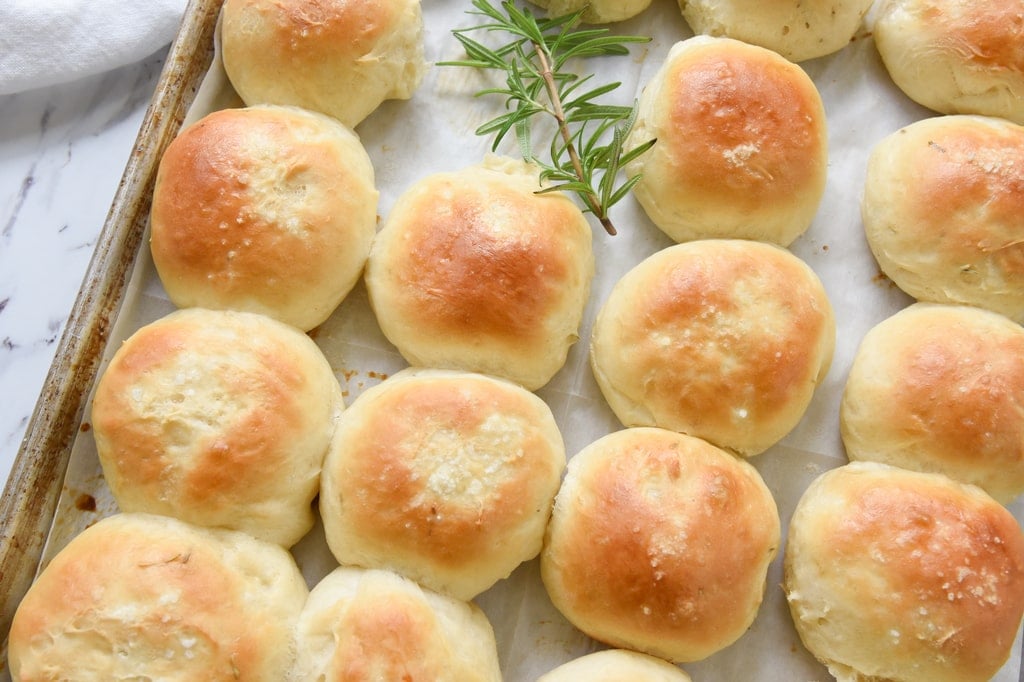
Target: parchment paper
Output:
[(433, 132)]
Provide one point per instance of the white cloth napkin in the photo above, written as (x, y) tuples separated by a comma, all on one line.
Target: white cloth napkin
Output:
[(45, 42)]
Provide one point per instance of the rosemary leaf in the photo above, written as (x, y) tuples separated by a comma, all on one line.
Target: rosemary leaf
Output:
[(586, 152)]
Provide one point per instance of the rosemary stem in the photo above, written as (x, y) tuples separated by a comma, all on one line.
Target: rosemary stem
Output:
[(559, 113)]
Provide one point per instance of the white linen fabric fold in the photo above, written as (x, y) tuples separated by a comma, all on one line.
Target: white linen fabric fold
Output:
[(45, 42)]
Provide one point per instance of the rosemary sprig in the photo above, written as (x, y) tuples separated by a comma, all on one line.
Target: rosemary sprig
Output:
[(586, 152)]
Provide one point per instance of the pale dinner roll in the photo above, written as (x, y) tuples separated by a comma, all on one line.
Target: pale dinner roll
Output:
[(266, 209), (595, 11), (725, 340), (339, 57), (943, 211), (219, 418), (475, 271), (956, 56), (138, 596), (742, 144), (616, 665), (660, 542), (941, 388), (900, 575), (376, 625), (445, 477), (797, 29)]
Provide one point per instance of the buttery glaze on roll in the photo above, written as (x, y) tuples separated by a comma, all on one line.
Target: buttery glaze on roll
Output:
[(725, 340), (940, 388), (894, 574), (342, 58), (742, 144), (943, 211), (955, 56), (219, 418), (138, 596), (660, 542), (445, 477), (797, 29), (364, 624), (474, 270), (271, 210)]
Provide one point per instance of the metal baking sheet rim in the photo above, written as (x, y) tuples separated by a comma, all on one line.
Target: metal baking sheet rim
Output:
[(33, 489)]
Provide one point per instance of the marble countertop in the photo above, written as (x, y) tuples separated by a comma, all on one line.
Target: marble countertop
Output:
[(63, 150)]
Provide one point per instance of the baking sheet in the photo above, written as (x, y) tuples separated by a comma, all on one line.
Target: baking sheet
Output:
[(433, 132)]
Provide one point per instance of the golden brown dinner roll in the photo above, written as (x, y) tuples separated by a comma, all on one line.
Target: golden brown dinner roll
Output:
[(375, 625), (941, 388), (943, 211), (796, 29), (955, 56), (616, 665), (445, 477), (475, 271), (138, 596), (660, 542), (339, 57), (595, 11), (725, 340), (265, 209), (742, 145), (219, 418), (900, 575)]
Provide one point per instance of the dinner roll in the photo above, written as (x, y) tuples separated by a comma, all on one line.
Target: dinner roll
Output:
[(725, 340), (595, 11), (138, 596), (616, 665), (943, 211), (445, 477), (474, 270), (660, 542), (941, 388), (376, 625), (266, 209), (955, 56), (219, 418), (339, 57), (742, 144), (796, 29), (900, 575)]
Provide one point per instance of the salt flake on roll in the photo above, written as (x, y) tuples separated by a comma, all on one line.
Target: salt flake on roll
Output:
[(894, 574), (742, 144), (266, 209), (723, 339), (660, 542)]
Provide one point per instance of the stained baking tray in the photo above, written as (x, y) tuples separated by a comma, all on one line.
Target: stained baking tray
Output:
[(55, 488)]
